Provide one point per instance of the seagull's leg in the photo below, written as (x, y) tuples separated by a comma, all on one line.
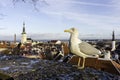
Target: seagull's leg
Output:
[(83, 63), (79, 61)]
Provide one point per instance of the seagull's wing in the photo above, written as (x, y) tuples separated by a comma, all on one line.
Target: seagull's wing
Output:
[(88, 49)]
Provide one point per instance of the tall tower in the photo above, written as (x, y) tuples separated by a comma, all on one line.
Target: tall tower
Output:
[(24, 35), (15, 38), (113, 41)]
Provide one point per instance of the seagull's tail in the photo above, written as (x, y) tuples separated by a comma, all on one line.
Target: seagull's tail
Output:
[(99, 54)]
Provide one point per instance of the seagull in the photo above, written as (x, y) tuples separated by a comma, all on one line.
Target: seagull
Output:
[(79, 47)]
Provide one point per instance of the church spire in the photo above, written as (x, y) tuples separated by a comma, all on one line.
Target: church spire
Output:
[(24, 35), (113, 42), (113, 36), (23, 28)]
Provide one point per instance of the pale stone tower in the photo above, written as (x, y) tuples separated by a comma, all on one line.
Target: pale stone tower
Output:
[(24, 35), (113, 42), (15, 38)]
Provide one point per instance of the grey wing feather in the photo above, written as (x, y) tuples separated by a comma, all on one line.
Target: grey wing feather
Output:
[(88, 49)]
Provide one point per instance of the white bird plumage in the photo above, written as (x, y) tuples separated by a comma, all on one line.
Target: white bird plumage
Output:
[(79, 47)]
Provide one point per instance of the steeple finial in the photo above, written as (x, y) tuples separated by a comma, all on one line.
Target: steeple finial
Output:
[(23, 24), (113, 36)]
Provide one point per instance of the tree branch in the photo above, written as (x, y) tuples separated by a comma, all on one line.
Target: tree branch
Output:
[(34, 2)]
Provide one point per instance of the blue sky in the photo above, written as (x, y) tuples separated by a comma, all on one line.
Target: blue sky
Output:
[(93, 18)]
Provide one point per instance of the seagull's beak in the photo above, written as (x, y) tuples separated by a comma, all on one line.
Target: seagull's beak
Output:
[(66, 30)]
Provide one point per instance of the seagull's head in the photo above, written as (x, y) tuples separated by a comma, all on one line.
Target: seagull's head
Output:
[(72, 30)]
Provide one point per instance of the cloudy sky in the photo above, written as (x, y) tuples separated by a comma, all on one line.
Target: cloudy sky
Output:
[(47, 19)]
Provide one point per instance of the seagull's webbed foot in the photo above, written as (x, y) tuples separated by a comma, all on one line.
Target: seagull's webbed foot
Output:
[(78, 65), (82, 67)]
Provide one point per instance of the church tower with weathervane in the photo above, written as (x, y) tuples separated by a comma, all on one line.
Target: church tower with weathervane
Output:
[(24, 35)]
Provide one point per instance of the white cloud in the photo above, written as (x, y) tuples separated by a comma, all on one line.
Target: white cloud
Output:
[(116, 7), (100, 22), (90, 4)]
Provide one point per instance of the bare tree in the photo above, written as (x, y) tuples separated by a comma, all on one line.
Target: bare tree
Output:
[(34, 2)]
